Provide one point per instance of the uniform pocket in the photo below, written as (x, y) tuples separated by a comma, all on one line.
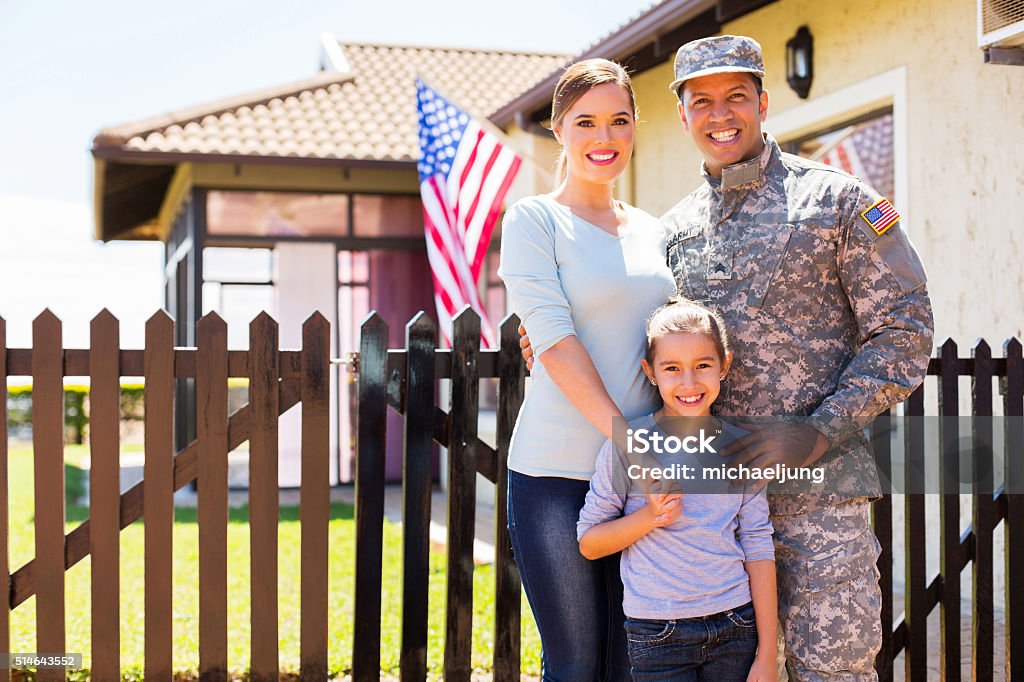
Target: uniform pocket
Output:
[(837, 599), (685, 258), (856, 558), (804, 267)]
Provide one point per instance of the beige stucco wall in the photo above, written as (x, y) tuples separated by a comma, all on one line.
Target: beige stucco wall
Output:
[(964, 134), (667, 163), (537, 171), (304, 178)]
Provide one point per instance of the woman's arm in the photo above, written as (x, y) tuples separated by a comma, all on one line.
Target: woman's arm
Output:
[(573, 371), (766, 614), (530, 271), (618, 534)]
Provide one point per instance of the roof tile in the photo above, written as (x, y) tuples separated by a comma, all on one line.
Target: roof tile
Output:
[(365, 114)]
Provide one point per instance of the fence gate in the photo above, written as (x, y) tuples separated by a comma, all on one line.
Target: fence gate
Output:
[(404, 380)]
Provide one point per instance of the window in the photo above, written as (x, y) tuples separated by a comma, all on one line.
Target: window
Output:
[(276, 214), (381, 215), (862, 147), (238, 286), (353, 297)]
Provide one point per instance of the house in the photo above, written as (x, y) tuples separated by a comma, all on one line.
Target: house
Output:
[(904, 84), (305, 197), (299, 198)]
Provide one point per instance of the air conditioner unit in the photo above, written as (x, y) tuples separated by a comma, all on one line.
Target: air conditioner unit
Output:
[(1000, 23)]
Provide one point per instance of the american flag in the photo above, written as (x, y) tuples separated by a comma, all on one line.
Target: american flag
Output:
[(864, 150), (881, 216), (465, 172)]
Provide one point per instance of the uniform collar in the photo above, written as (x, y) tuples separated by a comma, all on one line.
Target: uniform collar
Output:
[(745, 174)]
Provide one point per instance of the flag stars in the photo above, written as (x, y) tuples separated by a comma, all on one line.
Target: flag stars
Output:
[(441, 128)]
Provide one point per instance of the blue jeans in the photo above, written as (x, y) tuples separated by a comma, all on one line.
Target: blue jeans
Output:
[(716, 648), (577, 603)]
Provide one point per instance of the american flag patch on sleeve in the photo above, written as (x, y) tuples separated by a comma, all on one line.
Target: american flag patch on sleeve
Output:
[(881, 216)]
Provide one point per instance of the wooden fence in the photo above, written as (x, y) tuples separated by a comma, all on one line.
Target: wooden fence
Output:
[(403, 380), (278, 380), (958, 548)]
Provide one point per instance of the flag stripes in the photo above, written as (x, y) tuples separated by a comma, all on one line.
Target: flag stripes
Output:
[(465, 173)]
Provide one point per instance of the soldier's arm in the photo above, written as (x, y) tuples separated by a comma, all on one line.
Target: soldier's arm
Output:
[(886, 286)]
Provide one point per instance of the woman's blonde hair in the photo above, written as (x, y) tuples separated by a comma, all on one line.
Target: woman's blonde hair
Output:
[(579, 79), (681, 314)]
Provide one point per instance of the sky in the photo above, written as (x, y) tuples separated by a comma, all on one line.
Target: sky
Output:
[(69, 69)]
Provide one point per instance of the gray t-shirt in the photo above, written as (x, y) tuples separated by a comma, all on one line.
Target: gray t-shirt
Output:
[(694, 566), (567, 277)]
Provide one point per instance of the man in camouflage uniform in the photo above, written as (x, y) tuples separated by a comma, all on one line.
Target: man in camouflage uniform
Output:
[(825, 301)]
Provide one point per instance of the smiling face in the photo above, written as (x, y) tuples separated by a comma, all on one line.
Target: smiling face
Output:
[(723, 113), (597, 133), (688, 371)]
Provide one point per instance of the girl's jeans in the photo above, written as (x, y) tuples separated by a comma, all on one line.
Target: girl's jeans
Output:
[(716, 648), (577, 603)]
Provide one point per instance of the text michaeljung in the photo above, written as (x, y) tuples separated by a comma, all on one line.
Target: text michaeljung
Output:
[(741, 472)]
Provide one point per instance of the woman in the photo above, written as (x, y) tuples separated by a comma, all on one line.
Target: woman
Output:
[(583, 272)]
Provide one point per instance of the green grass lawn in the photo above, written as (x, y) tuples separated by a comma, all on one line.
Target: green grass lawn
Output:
[(186, 581)]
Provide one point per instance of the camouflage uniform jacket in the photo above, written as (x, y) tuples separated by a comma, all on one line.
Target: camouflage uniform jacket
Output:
[(827, 319)]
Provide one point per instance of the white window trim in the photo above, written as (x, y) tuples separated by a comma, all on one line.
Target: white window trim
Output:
[(884, 89)]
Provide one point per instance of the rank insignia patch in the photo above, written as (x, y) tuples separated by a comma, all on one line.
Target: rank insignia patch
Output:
[(881, 216)]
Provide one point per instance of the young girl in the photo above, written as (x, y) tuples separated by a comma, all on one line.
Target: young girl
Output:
[(698, 570)]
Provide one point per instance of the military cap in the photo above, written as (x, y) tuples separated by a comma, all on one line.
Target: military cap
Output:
[(717, 54)]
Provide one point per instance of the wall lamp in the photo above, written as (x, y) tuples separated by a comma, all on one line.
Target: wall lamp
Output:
[(800, 61)]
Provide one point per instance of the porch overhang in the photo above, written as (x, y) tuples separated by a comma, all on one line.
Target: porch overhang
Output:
[(131, 189), (647, 41)]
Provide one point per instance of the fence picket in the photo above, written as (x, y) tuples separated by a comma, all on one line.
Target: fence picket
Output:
[(104, 493), (982, 649), (158, 495), (315, 505), (950, 559), (212, 479), (915, 590), (5, 523), (420, 336), (48, 446), (462, 456), (371, 445), (1013, 525), (507, 586), (263, 497), (881, 519)]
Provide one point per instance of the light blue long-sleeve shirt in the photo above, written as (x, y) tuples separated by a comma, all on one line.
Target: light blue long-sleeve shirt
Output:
[(693, 566), (567, 277)]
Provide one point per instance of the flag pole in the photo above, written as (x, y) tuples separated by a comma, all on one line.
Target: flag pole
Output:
[(545, 170), (826, 148)]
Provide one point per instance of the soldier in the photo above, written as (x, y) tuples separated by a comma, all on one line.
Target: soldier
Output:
[(826, 300)]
